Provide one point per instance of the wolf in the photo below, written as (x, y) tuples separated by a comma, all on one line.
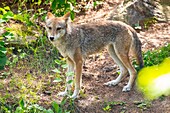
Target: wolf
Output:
[(76, 41)]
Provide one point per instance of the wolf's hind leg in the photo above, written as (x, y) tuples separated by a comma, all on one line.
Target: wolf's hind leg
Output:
[(123, 70), (70, 69), (122, 52)]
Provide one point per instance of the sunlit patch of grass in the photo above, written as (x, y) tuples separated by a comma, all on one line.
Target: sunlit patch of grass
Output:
[(22, 86), (31, 84)]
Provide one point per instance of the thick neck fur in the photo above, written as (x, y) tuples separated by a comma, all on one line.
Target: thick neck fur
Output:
[(68, 42)]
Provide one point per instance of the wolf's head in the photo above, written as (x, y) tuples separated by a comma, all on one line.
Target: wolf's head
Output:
[(57, 26)]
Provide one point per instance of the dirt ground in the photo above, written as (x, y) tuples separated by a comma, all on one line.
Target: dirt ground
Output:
[(100, 68)]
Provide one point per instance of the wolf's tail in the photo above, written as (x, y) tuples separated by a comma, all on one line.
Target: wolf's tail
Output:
[(137, 49)]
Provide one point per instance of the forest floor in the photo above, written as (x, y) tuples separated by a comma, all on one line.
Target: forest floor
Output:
[(99, 69)]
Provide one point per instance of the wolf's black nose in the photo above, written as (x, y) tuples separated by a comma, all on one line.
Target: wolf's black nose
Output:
[(51, 38)]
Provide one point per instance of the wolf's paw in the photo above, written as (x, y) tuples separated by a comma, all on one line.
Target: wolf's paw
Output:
[(75, 94), (111, 83), (126, 88), (62, 93)]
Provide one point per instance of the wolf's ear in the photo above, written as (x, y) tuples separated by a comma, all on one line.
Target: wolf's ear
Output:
[(50, 15), (67, 19), (67, 16)]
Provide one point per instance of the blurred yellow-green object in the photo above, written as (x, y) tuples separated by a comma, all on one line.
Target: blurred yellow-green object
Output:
[(154, 81)]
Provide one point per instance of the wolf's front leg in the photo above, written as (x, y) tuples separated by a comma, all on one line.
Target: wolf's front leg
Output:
[(78, 77), (70, 69)]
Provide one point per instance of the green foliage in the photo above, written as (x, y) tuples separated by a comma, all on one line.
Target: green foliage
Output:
[(24, 107), (60, 108), (157, 56), (149, 21), (29, 27), (60, 7), (5, 14), (110, 105), (143, 105), (34, 108), (3, 57)]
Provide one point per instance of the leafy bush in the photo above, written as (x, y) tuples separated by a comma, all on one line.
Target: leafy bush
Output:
[(156, 57)]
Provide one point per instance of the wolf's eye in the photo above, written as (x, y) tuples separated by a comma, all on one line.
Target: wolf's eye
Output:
[(49, 28), (59, 28)]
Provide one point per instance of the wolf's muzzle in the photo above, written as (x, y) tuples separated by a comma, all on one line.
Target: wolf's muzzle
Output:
[(51, 38)]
